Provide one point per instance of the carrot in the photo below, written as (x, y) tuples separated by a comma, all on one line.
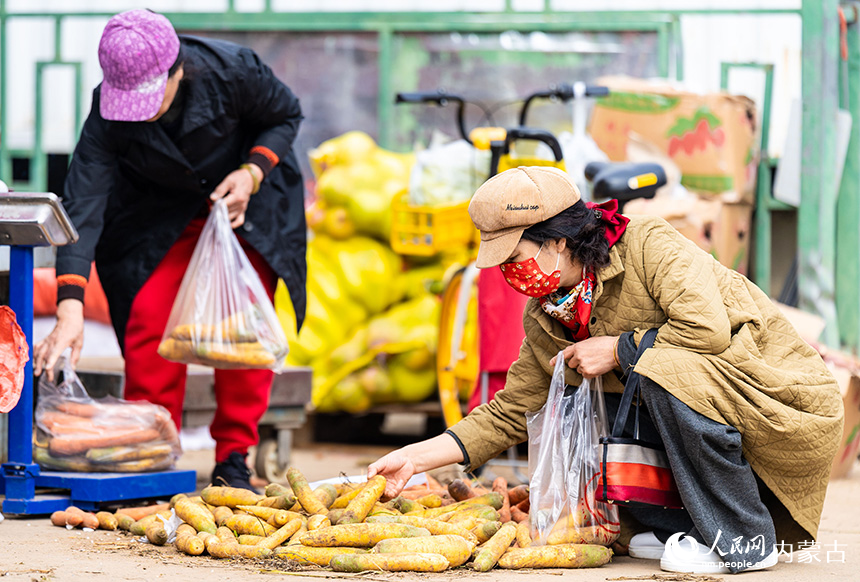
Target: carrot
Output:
[(488, 555), (524, 535), (284, 533), (486, 530), (430, 501), (138, 528), (518, 515), (196, 515), (563, 556), (326, 493), (460, 491), (229, 496), (455, 549), (187, 540), (335, 514), (107, 520), (250, 539), (128, 453), (221, 514), (155, 533), (404, 505), (414, 562), (518, 494), (342, 501), (225, 535), (432, 483), (176, 498), (360, 535), (318, 522), (524, 505), (123, 521), (500, 486), (249, 524), (307, 555), (87, 519), (58, 518), (225, 550), (286, 502), (276, 517), (73, 519), (361, 505), (435, 527), (277, 490), (75, 444), (297, 537), (309, 501), (138, 512)]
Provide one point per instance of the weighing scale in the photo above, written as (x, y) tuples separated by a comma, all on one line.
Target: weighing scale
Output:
[(29, 220)]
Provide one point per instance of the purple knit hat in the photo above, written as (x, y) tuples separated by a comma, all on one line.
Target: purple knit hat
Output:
[(136, 51)]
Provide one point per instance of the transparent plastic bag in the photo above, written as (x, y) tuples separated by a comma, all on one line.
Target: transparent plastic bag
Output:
[(564, 466), (446, 173), (222, 316), (76, 432)]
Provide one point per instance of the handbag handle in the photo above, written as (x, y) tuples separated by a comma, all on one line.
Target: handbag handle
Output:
[(632, 388)]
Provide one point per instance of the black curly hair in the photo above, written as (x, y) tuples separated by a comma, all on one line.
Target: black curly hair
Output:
[(584, 232)]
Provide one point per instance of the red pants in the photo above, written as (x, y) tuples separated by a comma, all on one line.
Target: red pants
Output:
[(241, 396)]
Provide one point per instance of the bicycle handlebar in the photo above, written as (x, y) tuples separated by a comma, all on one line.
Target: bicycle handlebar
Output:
[(563, 92), (440, 98)]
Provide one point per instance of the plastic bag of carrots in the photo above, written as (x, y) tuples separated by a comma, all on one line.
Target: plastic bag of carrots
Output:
[(76, 432), (222, 316), (564, 466)]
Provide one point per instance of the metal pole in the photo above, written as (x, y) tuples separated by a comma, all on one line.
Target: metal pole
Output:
[(19, 472), (817, 212), (5, 162), (385, 98), (848, 206)]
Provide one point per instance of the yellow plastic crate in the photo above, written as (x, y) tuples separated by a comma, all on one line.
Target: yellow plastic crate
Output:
[(427, 230)]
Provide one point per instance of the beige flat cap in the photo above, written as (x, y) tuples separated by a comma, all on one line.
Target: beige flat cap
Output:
[(507, 204)]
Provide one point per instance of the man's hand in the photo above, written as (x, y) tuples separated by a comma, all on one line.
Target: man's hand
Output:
[(592, 357), (397, 468), (69, 332), (236, 191)]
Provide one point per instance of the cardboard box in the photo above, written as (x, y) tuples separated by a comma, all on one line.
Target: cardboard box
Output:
[(849, 383), (720, 227), (710, 137), (845, 369)]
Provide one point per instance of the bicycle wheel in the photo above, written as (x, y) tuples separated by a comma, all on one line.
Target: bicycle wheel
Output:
[(457, 356)]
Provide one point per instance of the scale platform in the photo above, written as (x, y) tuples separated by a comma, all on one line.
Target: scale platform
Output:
[(29, 220), (89, 491)]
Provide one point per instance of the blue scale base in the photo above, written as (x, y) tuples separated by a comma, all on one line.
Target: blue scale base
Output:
[(90, 490)]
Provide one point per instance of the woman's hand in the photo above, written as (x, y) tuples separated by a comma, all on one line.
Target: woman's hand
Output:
[(592, 357), (69, 332), (397, 468), (236, 190)]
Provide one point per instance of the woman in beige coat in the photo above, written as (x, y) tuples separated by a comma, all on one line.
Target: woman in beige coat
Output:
[(749, 415)]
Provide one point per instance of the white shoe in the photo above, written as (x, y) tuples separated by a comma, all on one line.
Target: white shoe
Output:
[(646, 546), (690, 556)]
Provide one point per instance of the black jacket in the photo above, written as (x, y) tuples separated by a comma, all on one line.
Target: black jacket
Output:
[(131, 190)]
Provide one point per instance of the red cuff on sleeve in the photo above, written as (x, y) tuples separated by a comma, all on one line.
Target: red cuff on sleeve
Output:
[(263, 157), (71, 287)]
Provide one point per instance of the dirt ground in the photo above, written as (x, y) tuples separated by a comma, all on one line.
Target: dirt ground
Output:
[(31, 550)]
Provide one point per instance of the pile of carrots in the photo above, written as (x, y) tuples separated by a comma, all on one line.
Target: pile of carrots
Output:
[(112, 437), (428, 528)]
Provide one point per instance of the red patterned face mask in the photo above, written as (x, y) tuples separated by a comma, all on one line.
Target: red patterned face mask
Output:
[(527, 277)]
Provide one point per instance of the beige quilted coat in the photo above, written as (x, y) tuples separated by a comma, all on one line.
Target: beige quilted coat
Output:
[(723, 348)]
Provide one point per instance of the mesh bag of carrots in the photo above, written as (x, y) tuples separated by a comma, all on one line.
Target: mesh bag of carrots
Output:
[(222, 316), (564, 466), (75, 432)]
